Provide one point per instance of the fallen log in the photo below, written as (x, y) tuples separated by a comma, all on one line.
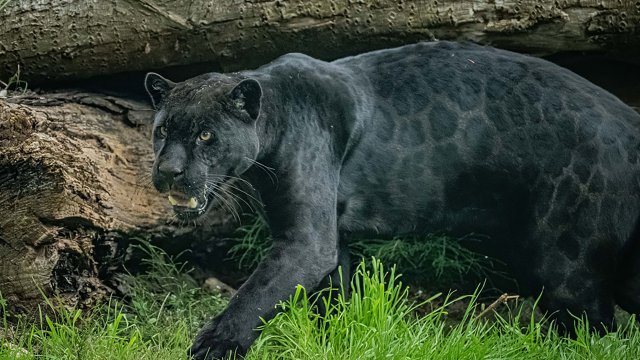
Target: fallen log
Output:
[(70, 39), (74, 190)]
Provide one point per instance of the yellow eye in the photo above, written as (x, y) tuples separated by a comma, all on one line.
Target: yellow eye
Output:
[(205, 135)]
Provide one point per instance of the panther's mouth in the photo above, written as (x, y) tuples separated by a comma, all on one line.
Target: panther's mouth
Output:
[(188, 207)]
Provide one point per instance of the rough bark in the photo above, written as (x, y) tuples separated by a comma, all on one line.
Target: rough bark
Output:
[(71, 39), (74, 185)]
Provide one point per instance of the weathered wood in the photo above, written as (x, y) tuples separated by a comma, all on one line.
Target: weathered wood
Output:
[(74, 181), (71, 39)]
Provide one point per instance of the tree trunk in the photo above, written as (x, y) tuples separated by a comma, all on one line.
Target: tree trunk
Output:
[(74, 185), (72, 39)]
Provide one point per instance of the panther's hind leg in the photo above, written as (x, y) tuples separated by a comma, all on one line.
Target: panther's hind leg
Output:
[(573, 267), (628, 294), (577, 294)]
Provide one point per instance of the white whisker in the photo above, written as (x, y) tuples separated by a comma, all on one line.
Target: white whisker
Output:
[(235, 177), (233, 197), (242, 191), (223, 202), (268, 170)]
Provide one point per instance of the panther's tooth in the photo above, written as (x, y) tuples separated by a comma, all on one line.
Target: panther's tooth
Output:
[(172, 201), (193, 203)]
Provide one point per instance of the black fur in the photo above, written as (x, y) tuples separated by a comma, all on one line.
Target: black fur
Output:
[(432, 137)]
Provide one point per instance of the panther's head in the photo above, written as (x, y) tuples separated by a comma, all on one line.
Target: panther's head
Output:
[(204, 133)]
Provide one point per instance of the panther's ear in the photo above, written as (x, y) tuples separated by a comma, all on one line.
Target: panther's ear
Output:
[(157, 87), (247, 96)]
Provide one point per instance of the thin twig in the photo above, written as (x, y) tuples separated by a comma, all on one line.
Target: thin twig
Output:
[(502, 299)]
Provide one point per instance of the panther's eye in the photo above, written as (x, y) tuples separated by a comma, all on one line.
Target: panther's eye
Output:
[(163, 131), (204, 136)]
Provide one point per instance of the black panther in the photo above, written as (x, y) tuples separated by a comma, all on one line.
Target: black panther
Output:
[(431, 137)]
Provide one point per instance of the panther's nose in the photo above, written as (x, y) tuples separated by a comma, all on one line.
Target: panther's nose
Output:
[(168, 173), (170, 170), (170, 166)]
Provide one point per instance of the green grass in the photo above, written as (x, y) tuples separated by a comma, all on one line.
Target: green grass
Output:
[(379, 321), (3, 3), (158, 322), (253, 241), (433, 259)]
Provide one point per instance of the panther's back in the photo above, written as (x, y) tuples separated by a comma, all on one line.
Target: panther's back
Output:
[(451, 123), (466, 138)]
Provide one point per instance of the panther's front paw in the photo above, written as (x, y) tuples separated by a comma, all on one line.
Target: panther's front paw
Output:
[(211, 343)]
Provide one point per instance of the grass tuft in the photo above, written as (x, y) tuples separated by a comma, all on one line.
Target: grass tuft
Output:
[(370, 324), (434, 259), (252, 244), (167, 295)]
